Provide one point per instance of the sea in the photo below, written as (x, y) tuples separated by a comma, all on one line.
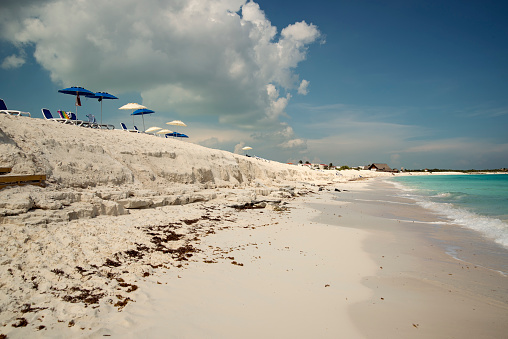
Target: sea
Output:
[(474, 201)]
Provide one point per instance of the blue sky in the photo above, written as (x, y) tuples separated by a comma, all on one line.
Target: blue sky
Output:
[(413, 84)]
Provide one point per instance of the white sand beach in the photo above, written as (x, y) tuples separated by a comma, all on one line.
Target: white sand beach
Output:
[(140, 236)]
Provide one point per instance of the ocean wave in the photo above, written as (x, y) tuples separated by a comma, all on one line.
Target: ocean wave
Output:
[(399, 186), (454, 196), (490, 227), (443, 195)]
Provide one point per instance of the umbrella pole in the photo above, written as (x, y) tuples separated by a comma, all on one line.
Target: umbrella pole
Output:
[(101, 113), (143, 117)]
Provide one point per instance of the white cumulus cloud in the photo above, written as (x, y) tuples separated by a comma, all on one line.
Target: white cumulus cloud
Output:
[(193, 57), (13, 61), (303, 89), (295, 143)]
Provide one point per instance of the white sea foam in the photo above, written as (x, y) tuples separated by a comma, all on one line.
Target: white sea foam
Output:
[(423, 222), (492, 228), (443, 195)]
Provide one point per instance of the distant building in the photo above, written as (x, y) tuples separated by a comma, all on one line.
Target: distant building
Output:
[(380, 167)]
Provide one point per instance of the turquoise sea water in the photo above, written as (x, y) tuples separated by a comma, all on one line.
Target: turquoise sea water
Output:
[(478, 202)]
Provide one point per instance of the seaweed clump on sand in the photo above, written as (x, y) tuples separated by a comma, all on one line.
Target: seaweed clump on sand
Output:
[(88, 297)]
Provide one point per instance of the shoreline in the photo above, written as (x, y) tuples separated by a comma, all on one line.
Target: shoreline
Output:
[(419, 289)]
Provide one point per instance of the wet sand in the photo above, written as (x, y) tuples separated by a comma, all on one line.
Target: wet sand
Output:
[(433, 279)]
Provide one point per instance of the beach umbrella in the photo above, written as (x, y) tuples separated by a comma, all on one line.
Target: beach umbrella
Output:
[(177, 135), (176, 123), (142, 112), (246, 148), (164, 131), (133, 106), (77, 91), (101, 96), (152, 129)]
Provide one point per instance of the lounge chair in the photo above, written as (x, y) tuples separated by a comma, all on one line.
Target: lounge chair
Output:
[(94, 124), (128, 130), (65, 116), (79, 122), (48, 116), (4, 110), (70, 118)]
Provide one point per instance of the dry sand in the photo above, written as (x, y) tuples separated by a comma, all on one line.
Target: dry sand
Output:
[(139, 236)]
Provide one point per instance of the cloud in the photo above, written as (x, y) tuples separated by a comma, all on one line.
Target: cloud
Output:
[(196, 57), (303, 87), (295, 144), (13, 61), (238, 148), (356, 141)]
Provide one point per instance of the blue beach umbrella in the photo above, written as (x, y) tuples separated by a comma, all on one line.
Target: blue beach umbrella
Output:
[(101, 96), (142, 112), (77, 91), (176, 135)]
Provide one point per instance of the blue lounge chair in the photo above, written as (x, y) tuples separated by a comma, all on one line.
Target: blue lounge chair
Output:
[(48, 116), (128, 130), (4, 110)]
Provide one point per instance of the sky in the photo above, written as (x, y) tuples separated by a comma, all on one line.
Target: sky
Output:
[(411, 83)]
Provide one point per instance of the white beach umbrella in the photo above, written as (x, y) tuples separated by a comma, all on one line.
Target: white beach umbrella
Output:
[(164, 131), (133, 106), (176, 123), (246, 148), (152, 129)]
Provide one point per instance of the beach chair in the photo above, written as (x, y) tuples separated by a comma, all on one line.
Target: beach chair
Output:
[(128, 130), (65, 116), (4, 110), (82, 123), (48, 116), (70, 118), (94, 124)]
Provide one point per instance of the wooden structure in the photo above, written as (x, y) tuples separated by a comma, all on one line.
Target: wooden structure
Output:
[(19, 179), (380, 167)]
